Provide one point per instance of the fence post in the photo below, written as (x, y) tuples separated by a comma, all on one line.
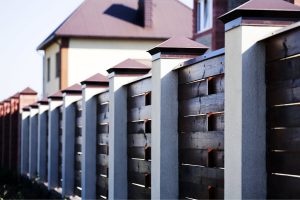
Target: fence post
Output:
[(245, 95), (55, 101), (26, 97), (164, 141), (70, 96), (42, 139), (33, 137), (90, 88), (25, 141), (1, 131), (118, 76)]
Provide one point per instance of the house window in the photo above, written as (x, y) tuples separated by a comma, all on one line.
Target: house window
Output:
[(48, 69), (204, 15), (58, 68)]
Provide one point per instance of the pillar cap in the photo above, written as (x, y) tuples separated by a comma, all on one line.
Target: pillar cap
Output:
[(28, 91), (130, 66), (16, 96), (34, 105), (43, 101), (27, 108), (264, 9), (74, 89), (57, 95), (179, 45), (97, 79)]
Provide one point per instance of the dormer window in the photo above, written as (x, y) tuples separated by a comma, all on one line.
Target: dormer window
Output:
[(204, 15)]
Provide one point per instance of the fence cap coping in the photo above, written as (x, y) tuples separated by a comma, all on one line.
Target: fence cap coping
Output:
[(76, 88), (264, 9), (179, 45), (15, 96), (283, 30), (34, 105), (29, 91), (201, 58), (27, 108), (44, 101), (57, 95), (130, 66), (96, 79)]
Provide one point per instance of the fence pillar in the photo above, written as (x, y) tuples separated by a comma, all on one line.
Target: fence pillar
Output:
[(33, 138), (6, 134), (164, 136), (90, 88), (42, 140), (55, 101), (26, 97), (70, 95), (1, 131), (25, 141), (119, 75), (245, 95)]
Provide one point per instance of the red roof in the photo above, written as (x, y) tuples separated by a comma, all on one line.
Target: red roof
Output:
[(129, 64), (122, 19)]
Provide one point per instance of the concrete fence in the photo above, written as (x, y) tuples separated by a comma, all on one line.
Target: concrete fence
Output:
[(193, 125)]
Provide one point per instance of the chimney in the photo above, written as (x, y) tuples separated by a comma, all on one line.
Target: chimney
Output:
[(145, 7)]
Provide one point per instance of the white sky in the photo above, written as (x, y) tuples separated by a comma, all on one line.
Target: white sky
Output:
[(24, 25)]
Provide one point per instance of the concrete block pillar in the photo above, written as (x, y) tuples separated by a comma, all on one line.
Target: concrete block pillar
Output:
[(25, 141), (26, 97), (33, 140), (119, 76), (90, 89), (245, 95), (70, 96), (164, 136), (55, 101), (1, 129), (42, 140)]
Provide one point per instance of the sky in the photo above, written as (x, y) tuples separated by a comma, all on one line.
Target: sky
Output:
[(24, 25)]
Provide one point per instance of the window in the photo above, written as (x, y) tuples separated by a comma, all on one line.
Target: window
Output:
[(204, 15), (58, 71), (48, 69)]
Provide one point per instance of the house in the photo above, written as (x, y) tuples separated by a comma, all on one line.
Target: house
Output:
[(100, 34), (208, 29)]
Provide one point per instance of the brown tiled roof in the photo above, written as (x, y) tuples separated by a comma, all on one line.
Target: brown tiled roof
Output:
[(122, 19), (129, 65), (28, 90), (76, 88), (96, 79), (263, 8), (179, 44)]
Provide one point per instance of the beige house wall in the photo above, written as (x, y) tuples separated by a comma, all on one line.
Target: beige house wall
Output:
[(50, 87), (89, 56)]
